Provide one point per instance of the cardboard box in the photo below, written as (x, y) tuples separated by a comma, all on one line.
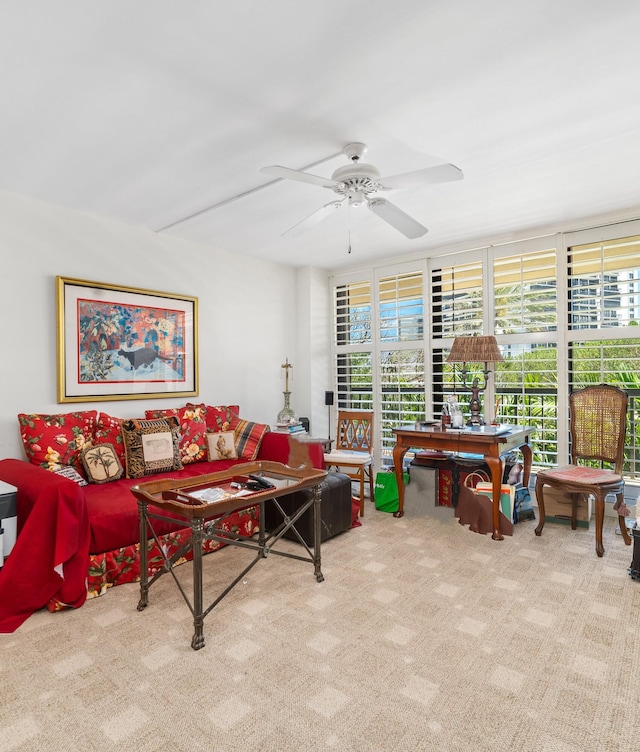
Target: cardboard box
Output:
[(557, 508), (507, 496), (422, 491)]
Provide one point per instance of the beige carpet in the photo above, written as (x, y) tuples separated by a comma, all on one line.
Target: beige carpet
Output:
[(423, 636)]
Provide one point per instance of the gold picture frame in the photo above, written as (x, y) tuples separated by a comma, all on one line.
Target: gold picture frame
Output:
[(117, 343)]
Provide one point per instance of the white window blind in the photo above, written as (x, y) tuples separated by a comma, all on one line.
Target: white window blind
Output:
[(402, 397), (457, 300), (354, 372), (604, 284), (401, 308), (353, 314), (525, 382), (604, 317), (525, 293), (616, 362), (526, 393)]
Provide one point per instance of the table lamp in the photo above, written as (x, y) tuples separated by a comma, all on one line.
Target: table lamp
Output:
[(476, 349)]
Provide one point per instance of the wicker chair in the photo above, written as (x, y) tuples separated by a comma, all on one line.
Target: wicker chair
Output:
[(598, 424), (353, 453)]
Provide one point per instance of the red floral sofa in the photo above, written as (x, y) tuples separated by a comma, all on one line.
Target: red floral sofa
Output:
[(78, 538)]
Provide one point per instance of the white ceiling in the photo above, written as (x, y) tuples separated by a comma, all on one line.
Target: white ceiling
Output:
[(150, 111)]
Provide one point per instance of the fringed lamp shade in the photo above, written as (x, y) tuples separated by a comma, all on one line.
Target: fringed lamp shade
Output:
[(482, 349)]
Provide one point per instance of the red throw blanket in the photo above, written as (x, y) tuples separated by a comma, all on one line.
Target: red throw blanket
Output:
[(49, 558)]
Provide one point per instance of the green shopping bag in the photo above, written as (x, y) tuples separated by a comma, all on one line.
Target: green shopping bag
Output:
[(386, 491)]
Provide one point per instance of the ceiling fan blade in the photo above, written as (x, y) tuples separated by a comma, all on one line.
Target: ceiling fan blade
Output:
[(287, 173), (442, 173), (397, 218), (313, 219)]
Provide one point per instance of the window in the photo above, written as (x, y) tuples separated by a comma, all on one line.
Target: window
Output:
[(380, 351), (604, 284), (353, 338), (402, 393), (355, 381), (526, 389), (353, 313), (565, 314), (525, 319), (401, 308), (401, 364), (457, 300), (525, 293), (604, 319)]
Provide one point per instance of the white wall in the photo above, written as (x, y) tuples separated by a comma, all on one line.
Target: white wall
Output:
[(313, 376), (247, 323)]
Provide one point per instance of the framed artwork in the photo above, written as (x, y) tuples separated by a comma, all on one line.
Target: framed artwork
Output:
[(118, 343)]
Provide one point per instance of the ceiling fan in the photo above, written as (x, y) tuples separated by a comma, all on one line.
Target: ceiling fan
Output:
[(358, 183)]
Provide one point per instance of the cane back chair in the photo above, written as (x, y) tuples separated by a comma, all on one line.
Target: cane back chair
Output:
[(353, 454), (598, 424)]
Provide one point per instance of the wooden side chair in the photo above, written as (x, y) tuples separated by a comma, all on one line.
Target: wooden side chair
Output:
[(353, 453), (598, 425)]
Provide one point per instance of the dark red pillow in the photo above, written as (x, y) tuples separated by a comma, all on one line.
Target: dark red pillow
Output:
[(53, 441), (193, 430), (109, 431), (217, 416)]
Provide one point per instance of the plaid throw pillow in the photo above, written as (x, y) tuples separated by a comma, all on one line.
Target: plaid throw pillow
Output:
[(248, 437)]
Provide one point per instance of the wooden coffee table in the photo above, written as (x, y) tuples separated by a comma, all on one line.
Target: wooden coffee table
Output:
[(203, 502)]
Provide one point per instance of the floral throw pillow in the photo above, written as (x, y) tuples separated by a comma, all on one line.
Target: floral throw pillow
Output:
[(216, 416), (193, 430), (109, 431), (53, 441)]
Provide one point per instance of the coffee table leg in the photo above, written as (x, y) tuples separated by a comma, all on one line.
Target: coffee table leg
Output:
[(261, 526), (317, 534), (197, 641), (143, 553)]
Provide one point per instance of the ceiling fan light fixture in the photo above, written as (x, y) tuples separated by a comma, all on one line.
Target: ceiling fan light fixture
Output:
[(356, 171)]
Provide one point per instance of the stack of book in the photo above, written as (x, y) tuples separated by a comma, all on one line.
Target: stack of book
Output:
[(293, 427)]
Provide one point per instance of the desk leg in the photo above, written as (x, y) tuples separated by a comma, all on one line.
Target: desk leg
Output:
[(197, 641), (317, 534), (143, 553), (527, 456), (399, 452), (495, 466)]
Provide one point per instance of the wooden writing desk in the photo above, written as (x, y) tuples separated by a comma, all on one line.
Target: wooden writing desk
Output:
[(484, 441)]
